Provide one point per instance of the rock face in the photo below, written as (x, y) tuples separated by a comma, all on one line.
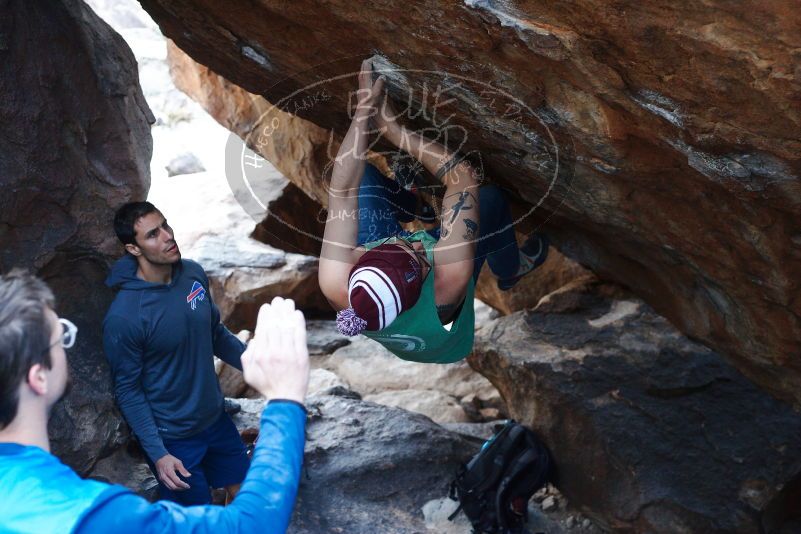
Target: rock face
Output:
[(370, 468), (298, 148), (128, 467), (75, 145), (294, 220), (370, 368), (445, 393), (290, 223), (322, 340), (676, 128), (253, 277), (557, 271), (650, 432), (437, 406)]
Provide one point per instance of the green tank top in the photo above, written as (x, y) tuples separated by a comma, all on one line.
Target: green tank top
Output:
[(417, 334)]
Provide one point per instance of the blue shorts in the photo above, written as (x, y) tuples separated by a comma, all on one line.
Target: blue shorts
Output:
[(216, 457), (383, 203)]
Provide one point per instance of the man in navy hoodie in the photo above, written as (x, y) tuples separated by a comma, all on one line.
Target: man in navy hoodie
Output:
[(40, 494), (160, 335)]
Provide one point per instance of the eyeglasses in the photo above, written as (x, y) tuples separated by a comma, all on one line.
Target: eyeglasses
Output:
[(397, 239), (68, 337)]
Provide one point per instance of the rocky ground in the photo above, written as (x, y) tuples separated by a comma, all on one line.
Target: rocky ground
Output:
[(360, 477), (382, 466)]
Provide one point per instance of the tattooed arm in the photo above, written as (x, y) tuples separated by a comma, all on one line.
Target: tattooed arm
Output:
[(339, 252), (454, 254), (455, 251)]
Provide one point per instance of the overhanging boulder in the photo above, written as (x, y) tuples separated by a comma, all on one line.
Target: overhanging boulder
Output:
[(676, 129)]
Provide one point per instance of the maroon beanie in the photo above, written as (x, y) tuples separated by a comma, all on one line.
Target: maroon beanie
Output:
[(384, 282)]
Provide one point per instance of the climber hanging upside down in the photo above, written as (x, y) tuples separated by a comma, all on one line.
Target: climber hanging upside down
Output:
[(412, 292)]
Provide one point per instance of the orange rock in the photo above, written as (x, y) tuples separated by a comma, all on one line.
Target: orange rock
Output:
[(557, 271)]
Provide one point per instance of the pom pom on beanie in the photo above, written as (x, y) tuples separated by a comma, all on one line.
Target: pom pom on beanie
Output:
[(350, 324)]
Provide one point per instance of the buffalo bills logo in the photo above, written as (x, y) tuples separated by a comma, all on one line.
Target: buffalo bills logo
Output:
[(195, 295)]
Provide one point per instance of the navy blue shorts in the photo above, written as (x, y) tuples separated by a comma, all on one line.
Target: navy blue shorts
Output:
[(216, 457)]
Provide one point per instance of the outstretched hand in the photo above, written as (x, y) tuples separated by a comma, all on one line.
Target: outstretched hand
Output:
[(376, 105), (370, 92), (276, 362)]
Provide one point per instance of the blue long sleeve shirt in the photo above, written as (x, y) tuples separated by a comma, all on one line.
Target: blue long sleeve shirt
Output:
[(40, 494), (160, 340)]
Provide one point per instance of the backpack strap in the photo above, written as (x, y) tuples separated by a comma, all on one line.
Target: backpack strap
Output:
[(519, 465), (487, 467), (455, 513), (508, 469), (525, 475)]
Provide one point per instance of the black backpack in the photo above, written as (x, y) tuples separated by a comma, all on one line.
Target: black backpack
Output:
[(493, 489)]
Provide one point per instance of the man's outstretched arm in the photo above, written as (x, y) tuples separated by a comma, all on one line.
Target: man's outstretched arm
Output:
[(276, 364), (263, 504), (337, 256)]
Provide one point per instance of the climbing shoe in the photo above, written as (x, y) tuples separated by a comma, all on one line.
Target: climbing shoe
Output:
[(532, 254)]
